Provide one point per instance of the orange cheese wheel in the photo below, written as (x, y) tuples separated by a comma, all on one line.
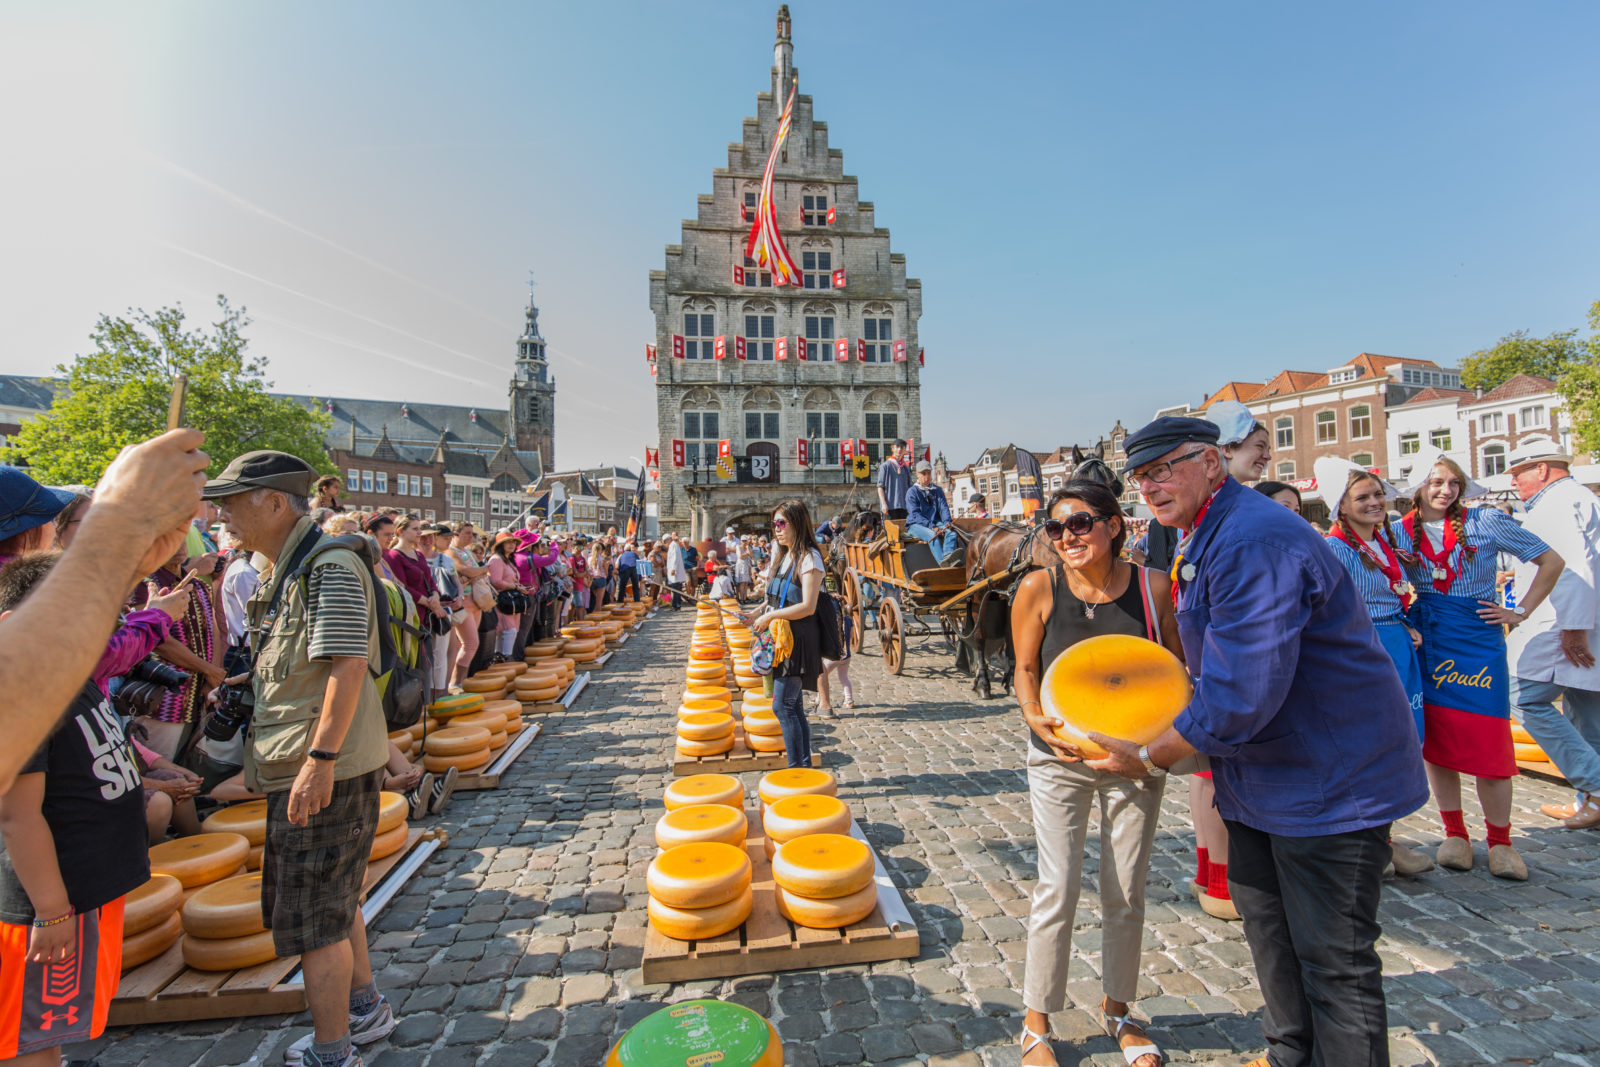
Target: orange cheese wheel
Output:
[(578, 646), (201, 859), (497, 740), (823, 866), (243, 868), (707, 652), (707, 691), (748, 682), (146, 945), (503, 708), (756, 702), (464, 762), (252, 862), (228, 953), (794, 817), (705, 672), (704, 706), (1530, 753), (417, 728), (763, 743), (795, 781), (149, 905), (514, 726), (229, 908), (1521, 736), (762, 722), (696, 924), (827, 914), (492, 721), (705, 789), (540, 696), (389, 842), (540, 678), (248, 819), (701, 875), (1115, 684), (457, 740), (705, 726), (461, 704), (392, 811), (514, 668), (701, 822), (484, 683), (400, 737), (532, 655), (695, 749)]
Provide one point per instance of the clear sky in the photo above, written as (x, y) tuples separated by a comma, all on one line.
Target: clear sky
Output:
[(1112, 207)]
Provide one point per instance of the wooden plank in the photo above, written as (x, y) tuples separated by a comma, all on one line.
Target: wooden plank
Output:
[(284, 1000), (736, 761), (193, 983), (152, 976), (1545, 771), (260, 978)]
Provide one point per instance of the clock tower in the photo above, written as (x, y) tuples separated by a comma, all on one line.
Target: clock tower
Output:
[(533, 393)]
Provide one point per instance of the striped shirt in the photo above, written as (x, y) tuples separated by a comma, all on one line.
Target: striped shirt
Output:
[(340, 613), (1382, 602), (1491, 532)]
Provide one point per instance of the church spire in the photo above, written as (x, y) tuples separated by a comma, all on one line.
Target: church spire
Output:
[(782, 58)]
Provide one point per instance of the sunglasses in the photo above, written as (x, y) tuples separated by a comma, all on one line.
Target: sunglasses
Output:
[(1077, 524), (780, 524)]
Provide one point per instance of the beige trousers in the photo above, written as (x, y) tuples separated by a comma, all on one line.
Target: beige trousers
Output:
[(1063, 794)]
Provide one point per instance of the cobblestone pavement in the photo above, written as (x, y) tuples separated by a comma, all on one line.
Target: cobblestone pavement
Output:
[(520, 943)]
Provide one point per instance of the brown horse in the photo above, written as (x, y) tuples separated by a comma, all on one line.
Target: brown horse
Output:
[(1003, 552)]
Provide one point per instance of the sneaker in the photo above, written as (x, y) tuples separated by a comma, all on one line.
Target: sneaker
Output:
[(299, 1054), (439, 792), (375, 1025), (417, 796)]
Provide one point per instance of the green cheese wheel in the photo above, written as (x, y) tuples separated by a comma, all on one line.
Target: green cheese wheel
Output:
[(696, 1033)]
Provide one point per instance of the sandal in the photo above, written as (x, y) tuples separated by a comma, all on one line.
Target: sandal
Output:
[(1130, 1053), (1031, 1041)]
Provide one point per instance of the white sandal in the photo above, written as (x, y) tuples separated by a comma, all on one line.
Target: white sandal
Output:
[(1031, 1041), (1131, 1053)]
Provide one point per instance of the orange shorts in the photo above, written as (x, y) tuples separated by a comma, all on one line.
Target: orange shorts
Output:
[(49, 1005)]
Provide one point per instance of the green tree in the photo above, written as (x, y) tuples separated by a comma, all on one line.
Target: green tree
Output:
[(118, 394), (1519, 353), (1580, 386)]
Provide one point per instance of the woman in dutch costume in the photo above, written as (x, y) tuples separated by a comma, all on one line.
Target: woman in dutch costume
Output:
[(1465, 682), (1363, 540)]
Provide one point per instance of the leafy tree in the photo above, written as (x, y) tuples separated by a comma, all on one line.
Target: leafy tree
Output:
[(1580, 385), (1518, 353), (118, 394)]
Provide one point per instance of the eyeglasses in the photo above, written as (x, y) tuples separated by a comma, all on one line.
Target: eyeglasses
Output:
[(1077, 524), (1161, 473), (780, 524)]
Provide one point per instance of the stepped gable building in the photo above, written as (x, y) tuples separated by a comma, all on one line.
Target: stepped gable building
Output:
[(710, 298)]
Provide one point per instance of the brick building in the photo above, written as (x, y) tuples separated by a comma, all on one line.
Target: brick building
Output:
[(386, 475), (1497, 421)]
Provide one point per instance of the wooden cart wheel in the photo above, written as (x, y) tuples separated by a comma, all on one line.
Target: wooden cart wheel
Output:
[(858, 616), (892, 636)]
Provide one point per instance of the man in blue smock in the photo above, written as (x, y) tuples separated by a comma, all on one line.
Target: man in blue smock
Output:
[(928, 513), (1309, 734), (894, 478)]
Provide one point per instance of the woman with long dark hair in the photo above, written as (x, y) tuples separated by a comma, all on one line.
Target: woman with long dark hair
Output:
[(794, 581), (503, 576)]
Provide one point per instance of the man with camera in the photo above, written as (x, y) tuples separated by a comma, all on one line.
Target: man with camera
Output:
[(316, 746)]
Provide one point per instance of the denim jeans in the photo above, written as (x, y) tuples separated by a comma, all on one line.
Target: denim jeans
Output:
[(1570, 735), (788, 703), (942, 545), (627, 578), (672, 600)]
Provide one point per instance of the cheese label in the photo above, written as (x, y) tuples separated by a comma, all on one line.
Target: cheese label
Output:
[(697, 1034)]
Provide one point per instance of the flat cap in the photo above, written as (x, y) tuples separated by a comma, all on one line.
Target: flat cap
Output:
[(1155, 439), (262, 469)]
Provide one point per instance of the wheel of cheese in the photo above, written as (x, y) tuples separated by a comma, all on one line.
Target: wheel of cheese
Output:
[(700, 1032), (823, 866), (200, 859), (392, 811), (796, 781), (701, 822), (457, 740), (695, 749), (699, 876), (539, 678), (149, 905), (464, 762), (388, 842), (146, 945), (229, 908), (514, 668), (705, 726), (248, 819), (493, 721), (704, 707), (252, 862), (485, 682), (713, 673), (698, 924), (447, 707), (827, 914), (514, 726), (762, 722), (1116, 684), (1530, 753), (705, 789), (541, 696), (417, 728), (229, 953), (1519, 735), (748, 681), (756, 702), (533, 654), (564, 661), (794, 817), (503, 708), (711, 652), (577, 649), (243, 868), (763, 743), (737, 640), (707, 691)]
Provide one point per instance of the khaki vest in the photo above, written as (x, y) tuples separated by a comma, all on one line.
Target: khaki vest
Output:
[(290, 686)]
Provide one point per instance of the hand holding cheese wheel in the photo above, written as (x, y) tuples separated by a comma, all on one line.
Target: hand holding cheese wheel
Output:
[(823, 866), (829, 914), (1121, 686), (705, 725), (229, 953), (200, 859), (696, 924), (799, 816), (457, 740), (701, 822), (701, 875), (699, 1031), (248, 819), (705, 789), (392, 811), (229, 908), (715, 747), (146, 945), (149, 905), (465, 762), (796, 781)]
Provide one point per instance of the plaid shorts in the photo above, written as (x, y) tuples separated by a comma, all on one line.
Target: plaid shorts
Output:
[(311, 875)]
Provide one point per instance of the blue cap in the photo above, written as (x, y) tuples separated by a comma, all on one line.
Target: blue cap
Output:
[(24, 503), (1154, 440)]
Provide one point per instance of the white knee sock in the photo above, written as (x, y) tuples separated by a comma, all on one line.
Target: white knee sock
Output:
[(507, 638)]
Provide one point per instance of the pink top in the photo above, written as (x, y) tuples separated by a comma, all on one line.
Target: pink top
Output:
[(141, 631), (502, 575), (412, 573), (530, 565)]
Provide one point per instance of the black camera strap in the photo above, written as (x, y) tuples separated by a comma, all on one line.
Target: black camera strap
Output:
[(283, 576)]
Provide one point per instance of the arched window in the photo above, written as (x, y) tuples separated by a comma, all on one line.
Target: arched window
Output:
[(1283, 429), (702, 427), (816, 263), (763, 413), (760, 328), (822, 414), (699, 329), (817, 321), (881, 423), (1493, 459), (877, 329)]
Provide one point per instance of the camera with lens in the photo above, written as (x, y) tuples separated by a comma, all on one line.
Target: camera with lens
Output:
[(142, 688), (235, 705)]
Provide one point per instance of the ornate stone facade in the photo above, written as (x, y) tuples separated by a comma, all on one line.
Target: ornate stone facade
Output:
[(533, 393)]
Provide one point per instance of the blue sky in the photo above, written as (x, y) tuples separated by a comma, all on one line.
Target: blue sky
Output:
[(1118, 206)]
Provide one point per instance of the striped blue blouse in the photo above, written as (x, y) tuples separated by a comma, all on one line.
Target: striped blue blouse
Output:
[(1383, 603), (1492, 531)]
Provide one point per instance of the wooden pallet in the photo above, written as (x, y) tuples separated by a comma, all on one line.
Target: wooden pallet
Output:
[(563, 702), (735, 761), (767, 942), (165, 990), (488, 776), (1542, 769)]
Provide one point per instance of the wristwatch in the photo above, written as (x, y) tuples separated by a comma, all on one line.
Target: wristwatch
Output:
[(1150, 767), (322, 754), (1521, 609)]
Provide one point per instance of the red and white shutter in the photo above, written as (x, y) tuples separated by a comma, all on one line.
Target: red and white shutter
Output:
[(832, 216), (741, 349), (782, 349), (649, 353), (922, 357), (841, 350), (724, 448), (677, 453), (738, 274), (801, 349), (900, 350), (721, 347), (861, 349), (847, 451), (803, 451), (838, 278), (677, 346)]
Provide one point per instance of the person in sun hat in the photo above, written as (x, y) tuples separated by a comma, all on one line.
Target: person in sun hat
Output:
[(1552, 654), (26, 513)]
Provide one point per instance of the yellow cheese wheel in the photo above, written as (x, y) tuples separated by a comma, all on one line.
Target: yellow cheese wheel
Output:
[(748, 681), (763, 743), (827, 914), (514, 726), (1116, 684), (794, 817), (417, 728), (695, 749), (400, 737), (707, 691), (539, 679), (513, 668), (200, 859), (705, 789), (704, 706), (823, 866), (504, 708), (697, 924), (484, 683), (493, 721), (705, 672), (533, 654), (579, 630), (149, 905), (700, 875), (711, 652), (252, 862), (497, 740), (229, 908), (1530, 753), (392, 811), (146, 945), (756, 702), (795, 781), (701, 822), (389, 842), (457, 740), (461, 704), (705, 726), (464, 762), (540, 696), (228, 954), (581, 646), (243, 868), (564, 662), (1521, 736), (248, 819), (762, 722)]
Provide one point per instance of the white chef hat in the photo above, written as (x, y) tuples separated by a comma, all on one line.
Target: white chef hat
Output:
[(1233, 419), (1422, 465), (1333, 479)]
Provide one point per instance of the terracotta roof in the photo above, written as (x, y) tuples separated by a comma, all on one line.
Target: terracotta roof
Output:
[(1240, 391), (1291, 381), (1433, 394), (1512, 388), (1372, 363)]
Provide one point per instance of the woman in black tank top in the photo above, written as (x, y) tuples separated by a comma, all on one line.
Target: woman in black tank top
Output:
[(1093, 592)]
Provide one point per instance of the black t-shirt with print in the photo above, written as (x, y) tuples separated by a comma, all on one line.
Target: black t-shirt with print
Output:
[(94, 806)]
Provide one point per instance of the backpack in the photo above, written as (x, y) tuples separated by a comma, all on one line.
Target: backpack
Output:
[(831, 626)]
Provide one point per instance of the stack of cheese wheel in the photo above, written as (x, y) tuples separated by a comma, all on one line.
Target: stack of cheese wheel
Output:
[(824, 880), (762, 731), (446, 708), (700, 705), (586, 649), (248, 820), (695, 823), (744, 674), (417, 729), (696, 789), (544, 649), (1525, 747), (222, 927), (581, 630), (699, 1031), (699, 891), (461, 747), (541, 685), (150, 921), (491, 685), (490, 718), (696, 691), (402, 740), (510, 712), (612, 629), (795, 782), (201, 859), (797, 816), (705, 733), (711, 671), (392, 829)]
